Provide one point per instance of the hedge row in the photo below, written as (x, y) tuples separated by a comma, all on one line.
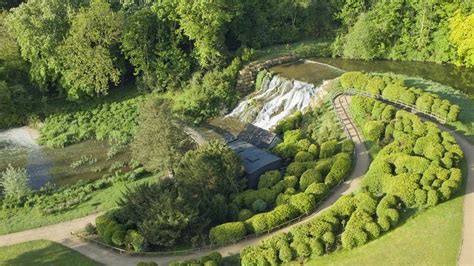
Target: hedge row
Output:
[(366, 218), (211, 259), (394, 89), (113, 233)]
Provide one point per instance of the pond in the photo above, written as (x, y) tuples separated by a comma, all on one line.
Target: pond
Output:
[(18, 148)]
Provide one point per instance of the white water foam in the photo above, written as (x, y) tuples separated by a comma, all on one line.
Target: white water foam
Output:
[(277, 99)]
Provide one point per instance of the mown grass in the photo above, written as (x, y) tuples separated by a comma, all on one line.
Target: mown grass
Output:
[(42, 252), (27, 218), (427, 237)]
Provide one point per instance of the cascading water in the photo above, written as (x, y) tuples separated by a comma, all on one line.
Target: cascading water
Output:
[(277, 98), (37, 163)]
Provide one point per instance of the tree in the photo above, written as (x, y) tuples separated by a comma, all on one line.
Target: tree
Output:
[(213, 168), (462, 36), (163, 214), (15, 182), (151, 44), (205, 22), (86, 55), (40, 27), (160, 141)]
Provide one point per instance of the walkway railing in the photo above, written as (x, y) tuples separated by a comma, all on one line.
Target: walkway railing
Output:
[(404, 105)]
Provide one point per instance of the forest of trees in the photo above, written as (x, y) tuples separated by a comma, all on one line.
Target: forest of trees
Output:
[(78, 49)]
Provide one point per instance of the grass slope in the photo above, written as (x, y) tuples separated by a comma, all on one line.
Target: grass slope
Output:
[(42, 252), (28, 218)]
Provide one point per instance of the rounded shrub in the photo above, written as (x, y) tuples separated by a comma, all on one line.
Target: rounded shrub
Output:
[(118, 238), (269, 179), (317, 249), (432, 198), (328, 149), (135, 241), (314, 150), (374, 130), (285, 254), (303, 202), (302, 250), (309, 177), (296, 169), (347, 146), (244, 214), (259, 206), (228, 232), (318, 190), (304, 156)]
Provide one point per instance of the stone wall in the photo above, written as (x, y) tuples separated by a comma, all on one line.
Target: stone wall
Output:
[(248, 74)]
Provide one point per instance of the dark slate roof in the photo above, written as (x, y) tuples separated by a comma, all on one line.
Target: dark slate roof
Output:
[(253, 158), (259, 137)]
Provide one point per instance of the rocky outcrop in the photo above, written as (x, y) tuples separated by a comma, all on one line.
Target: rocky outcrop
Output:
[(248, 74)]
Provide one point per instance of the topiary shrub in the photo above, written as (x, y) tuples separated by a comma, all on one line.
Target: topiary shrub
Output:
[(318, 190), (304, 156), (393, 91), (314, 150), (292, 136), (118, 238), (375, 86), (245, 214), (328, 149), (296, 169), (433, 198), (269, 179), (453, 113), (374, 130), (303, 202), (259, 206), (339, 170), (303, 144), (285, 254), (424, 102), (228, 232), (309, 177), (347, 146), (290, 123)]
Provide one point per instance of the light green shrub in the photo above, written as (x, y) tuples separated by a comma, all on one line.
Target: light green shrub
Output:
[(228, 232)]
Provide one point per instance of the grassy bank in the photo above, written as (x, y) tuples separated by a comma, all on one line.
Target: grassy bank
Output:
[(42, 252), (27, 218), (309, 48)]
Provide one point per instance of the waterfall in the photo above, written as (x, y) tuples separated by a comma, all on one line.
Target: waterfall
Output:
[(38, 164), (276, 99)]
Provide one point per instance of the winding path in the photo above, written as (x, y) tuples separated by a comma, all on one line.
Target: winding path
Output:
[(61, 232)]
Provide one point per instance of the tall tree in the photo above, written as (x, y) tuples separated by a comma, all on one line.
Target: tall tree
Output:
[(40, 27), (206, 22), (462, 36), (160, 142), (87, 54)]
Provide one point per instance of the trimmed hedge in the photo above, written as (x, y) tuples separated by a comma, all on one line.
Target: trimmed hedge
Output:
[(269, 179), (227, 233), (328, 149)]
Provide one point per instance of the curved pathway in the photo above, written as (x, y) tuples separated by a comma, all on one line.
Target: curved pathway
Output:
[(61, 232)]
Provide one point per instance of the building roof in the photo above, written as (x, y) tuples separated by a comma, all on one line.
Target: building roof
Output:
[(259, 137), (253, 158)]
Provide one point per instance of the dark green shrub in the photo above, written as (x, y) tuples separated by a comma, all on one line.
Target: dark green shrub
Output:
[(245, 214), (304, 156), (143, 263), (328, 149), (339, 170), (228, 232), (296, 169), (118, 238), (259, 206), (309, 177), (269, 179), (324, 165)]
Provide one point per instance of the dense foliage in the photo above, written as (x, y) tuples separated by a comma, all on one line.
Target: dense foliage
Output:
[(416, 170), (406, 30), (14, 183), (395, 90)]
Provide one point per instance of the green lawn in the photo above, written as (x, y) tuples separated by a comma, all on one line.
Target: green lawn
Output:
[(431, 237), (28, 218), (42, 252)]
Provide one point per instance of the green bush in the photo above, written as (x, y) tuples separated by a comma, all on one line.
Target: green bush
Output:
[(318, 190), (314, 150), (285, 254), (135, 241), (453, 113), (259, 206), (347, 146), (375, 86), (392, 92), (328, 149), (374, 130), (303, 202), (304, 156), (290, 123), (227, 233), (245, 214), (269, 179), (118, 238), (292, 136), (296, 169), (339, 170), (309, 177)]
